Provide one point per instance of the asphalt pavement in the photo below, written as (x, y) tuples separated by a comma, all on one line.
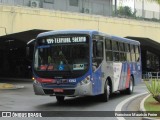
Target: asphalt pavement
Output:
[(23, 99)]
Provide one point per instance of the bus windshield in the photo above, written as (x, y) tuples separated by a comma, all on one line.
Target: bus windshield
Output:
[(62, 54)]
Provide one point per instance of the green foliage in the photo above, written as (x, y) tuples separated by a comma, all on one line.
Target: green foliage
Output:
[(151, 105), (158, 1), (126, 11), (154, 89)]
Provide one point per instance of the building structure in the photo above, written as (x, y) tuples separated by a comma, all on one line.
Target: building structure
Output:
[(98, 7), (20, 22), (147, 9)]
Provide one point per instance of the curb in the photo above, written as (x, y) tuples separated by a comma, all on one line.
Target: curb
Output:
[(143, 109), (142, 104), (122, 103), (6, 86), (16, 79)]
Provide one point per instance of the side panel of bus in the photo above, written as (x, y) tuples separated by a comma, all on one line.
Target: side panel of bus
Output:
[(122, 62)]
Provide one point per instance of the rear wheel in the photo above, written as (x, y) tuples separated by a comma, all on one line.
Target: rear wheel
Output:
[(131, 86), (105, 95), (60, 99)]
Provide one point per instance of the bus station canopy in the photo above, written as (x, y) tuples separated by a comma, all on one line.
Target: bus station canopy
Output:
[(148, 44), (19, 38)]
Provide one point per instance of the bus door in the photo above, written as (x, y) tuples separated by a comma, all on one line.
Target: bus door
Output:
[(97, 59)]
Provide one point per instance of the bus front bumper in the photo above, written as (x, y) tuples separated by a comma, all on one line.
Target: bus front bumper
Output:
[(79, 90)]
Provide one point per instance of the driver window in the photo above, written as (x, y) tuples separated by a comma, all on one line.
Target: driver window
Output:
[(97, 54), (97, 49)]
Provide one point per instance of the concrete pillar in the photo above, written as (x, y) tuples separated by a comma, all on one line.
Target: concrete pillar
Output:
[(143, 11)]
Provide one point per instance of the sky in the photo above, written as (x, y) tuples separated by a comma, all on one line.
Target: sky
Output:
[(148, 5), (129, 3)]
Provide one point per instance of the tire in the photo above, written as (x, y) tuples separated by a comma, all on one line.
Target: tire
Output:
[(105, 95), (60, 99), (131, 87)]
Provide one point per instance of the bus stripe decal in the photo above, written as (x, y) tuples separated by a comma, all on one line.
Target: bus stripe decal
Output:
[(125, 76), (128, 77), (121, 78)]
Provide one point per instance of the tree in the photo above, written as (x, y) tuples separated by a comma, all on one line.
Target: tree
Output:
[(158, 1), (125, 11)]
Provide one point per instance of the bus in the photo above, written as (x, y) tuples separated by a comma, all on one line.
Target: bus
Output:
[(70, 63)]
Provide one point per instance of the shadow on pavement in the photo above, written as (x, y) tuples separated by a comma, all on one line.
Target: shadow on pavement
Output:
[(80, 101)]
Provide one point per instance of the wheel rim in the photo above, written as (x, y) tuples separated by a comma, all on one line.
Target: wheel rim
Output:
[(107, 90), (131, 85)]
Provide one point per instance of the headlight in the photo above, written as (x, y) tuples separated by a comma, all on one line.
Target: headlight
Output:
[(85, 81)]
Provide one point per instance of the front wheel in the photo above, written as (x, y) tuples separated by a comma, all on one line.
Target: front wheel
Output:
[(105, 95), (60, 99)]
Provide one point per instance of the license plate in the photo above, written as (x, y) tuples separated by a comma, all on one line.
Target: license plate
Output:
[(58, 90)]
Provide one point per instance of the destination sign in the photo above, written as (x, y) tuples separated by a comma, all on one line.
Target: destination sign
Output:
[(66, 40)]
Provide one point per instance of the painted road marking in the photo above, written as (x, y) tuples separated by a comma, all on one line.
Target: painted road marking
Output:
[(120, 105)]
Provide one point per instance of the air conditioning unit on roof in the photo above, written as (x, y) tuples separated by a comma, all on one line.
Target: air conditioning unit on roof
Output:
[(86, 10), (34, 3)]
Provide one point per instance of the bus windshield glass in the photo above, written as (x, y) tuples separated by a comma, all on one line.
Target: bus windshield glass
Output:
[(62, 54)]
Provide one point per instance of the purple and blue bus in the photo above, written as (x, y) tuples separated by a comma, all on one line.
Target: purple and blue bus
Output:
[(85, 63)]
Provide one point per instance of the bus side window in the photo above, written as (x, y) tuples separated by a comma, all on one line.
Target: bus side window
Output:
[(137, 51), (98, 49), (115, 48), (109, 53), (97, 53), (116, 56), (128, 52), (94, 49), (133, 53), (109, 56), (122, 52), (108, 44)]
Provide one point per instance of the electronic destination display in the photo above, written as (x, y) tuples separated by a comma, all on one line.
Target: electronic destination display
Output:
[(63, 40)]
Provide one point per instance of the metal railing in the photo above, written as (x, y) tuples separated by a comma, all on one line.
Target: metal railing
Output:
[(151, 75), (148, 14)]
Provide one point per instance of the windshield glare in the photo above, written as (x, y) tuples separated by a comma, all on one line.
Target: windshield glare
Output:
[(65, 57)]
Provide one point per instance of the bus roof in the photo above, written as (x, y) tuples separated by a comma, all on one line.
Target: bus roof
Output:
[(126, 40), (68, 32), (89, 32)]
